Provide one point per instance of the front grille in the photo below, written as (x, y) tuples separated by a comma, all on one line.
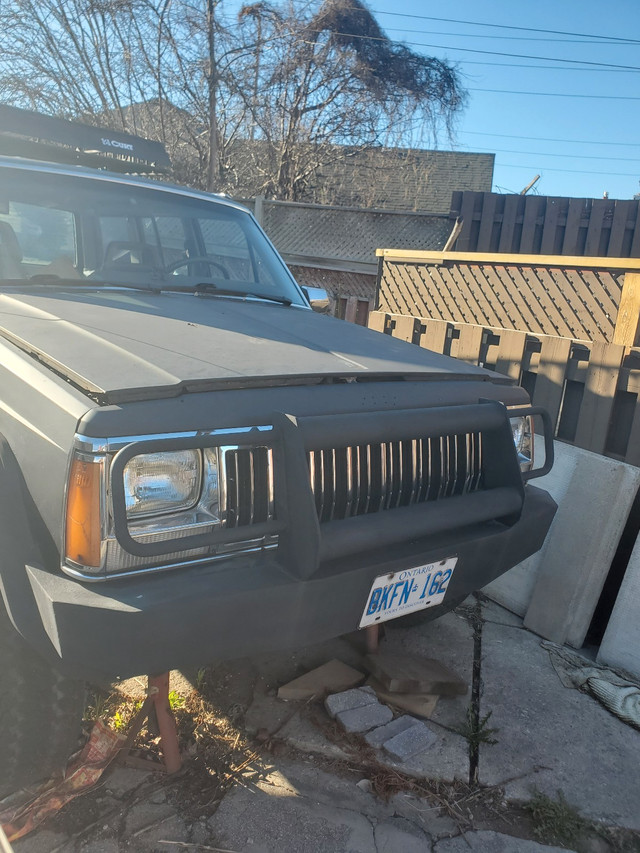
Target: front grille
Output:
[(247, 487), (352, 481)]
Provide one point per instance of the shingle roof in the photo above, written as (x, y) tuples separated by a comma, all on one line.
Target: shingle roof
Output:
[(349, 235)]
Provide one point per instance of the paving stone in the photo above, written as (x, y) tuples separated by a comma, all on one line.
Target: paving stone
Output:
[(413, 673), (493, 842), (420, 704), (410, 742), (331, 677), (398, 834), (376, 737), (551, 737), (349, 699), (365, 717)]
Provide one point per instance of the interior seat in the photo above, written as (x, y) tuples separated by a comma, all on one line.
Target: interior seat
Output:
[(10, 253)]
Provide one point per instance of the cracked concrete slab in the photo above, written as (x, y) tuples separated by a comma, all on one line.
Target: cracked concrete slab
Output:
[(493, 842), (274, 816), (553, 738)]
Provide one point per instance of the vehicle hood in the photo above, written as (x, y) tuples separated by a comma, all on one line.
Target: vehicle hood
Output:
[(118, 345)]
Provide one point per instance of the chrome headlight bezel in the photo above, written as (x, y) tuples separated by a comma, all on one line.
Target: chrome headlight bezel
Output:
[(182, 533), (522, 431)]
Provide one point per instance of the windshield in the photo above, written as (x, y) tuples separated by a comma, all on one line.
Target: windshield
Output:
[(57, 228)]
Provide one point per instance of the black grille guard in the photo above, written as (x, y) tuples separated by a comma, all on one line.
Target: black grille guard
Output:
[(304, 543)]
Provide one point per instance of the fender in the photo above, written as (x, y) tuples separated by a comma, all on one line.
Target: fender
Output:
[(24, 540)]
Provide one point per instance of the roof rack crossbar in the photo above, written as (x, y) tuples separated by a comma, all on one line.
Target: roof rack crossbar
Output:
[(89, 144)]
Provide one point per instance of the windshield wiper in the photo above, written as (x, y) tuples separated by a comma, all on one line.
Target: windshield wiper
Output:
[(208, 288)]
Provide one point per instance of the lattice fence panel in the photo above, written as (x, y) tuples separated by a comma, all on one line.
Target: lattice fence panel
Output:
[(573, 303)]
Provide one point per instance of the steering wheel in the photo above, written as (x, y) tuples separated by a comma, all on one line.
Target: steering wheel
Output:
[(197, 259)]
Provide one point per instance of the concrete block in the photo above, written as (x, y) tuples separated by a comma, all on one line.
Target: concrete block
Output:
[(514, 589), (580, 546), (349, 699), (376, 737), (419, 704), (620, 646), (412, 673), (364, 718), (331, 677), (410, 742)]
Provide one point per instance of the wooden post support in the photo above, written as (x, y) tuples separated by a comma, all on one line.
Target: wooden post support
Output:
[(627, 330)]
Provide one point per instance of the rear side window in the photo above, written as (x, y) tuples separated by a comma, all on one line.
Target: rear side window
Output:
[(43, 234)]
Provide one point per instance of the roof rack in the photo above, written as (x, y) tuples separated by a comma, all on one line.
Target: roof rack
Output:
[(28, 134)]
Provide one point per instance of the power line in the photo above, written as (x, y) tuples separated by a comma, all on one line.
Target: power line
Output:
[(549, 139), (581, 62), (622, 39), (614, 42), (551, 154), (573, 171), (558, 94)]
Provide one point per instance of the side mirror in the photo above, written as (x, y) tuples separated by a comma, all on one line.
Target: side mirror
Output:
[(318, 299)]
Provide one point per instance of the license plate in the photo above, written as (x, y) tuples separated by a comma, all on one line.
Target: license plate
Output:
[(399, 593)]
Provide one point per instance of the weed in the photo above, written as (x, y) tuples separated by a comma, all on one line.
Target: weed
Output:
[(477, 731), (200, 678), (175, 700), (555, 821)]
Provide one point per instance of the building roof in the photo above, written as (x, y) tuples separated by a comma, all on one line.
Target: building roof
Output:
[(305, 233)]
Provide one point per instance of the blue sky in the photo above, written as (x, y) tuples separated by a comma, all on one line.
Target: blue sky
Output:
[(582, 133)]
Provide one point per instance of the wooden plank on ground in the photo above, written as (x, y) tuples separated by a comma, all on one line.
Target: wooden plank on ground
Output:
[(599, 394), (511, 352), (627, 329), (552, 368)]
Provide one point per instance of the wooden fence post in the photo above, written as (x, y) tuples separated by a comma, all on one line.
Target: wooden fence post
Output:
[(627, 330)]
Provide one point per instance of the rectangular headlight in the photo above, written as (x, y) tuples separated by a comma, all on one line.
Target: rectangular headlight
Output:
[(522, 430), (162, 483)]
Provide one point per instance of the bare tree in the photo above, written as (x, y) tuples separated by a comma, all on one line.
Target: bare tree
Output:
[(322, 82), (265, 101)]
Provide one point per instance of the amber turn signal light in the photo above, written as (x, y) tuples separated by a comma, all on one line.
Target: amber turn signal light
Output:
[(83, 514)]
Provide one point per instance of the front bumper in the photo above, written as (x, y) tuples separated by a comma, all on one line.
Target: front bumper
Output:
[(253, 604)]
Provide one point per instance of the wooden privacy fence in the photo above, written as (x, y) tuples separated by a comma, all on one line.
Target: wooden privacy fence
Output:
[(547, 225), (590, 388), (593, 299)]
